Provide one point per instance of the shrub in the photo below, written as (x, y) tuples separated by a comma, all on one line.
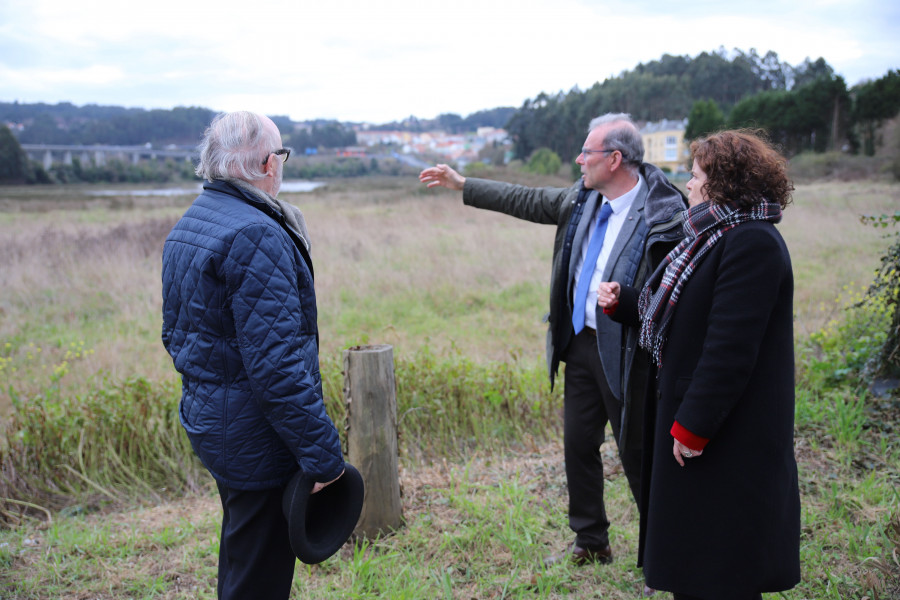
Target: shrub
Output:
[(451, 406), (119, 442), (838, 353), (122, 441), (885, 291), (477, 169), (544, 161), (813, 166)]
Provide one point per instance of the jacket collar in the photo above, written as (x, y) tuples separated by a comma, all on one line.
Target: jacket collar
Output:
[(663, 198), (287, 215)]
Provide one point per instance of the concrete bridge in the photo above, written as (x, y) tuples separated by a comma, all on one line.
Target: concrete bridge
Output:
[(48, 154)]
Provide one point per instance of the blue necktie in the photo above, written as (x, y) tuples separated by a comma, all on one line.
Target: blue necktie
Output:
[(587, 269)]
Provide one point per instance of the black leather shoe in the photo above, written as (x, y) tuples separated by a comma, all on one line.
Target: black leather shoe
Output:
[(579, 556)]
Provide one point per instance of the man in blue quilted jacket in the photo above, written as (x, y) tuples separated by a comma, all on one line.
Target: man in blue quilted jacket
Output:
[(239, 320)]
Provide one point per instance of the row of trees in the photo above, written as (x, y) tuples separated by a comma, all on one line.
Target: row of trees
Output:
[(452, 122), (874, 103), (804, 107), (65, 123), (16, 168), (820, 115), (813, 116), (321, 134)]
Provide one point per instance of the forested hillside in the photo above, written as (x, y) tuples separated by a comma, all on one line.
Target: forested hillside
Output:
[(65, 123), (804, 107)]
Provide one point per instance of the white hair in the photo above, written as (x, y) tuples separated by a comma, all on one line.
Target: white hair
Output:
[(235, 146)]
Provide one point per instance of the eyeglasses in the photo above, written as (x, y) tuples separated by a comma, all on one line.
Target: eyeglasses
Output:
[(588, 152), (285, 153)]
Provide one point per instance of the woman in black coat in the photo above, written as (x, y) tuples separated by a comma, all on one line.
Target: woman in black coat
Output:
[(720, 512)]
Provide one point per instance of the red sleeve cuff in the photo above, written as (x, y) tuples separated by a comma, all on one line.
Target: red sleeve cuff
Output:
[(610, 310), (694, 442)]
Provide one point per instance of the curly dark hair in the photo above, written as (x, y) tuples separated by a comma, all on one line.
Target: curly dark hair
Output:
[(742, 168)]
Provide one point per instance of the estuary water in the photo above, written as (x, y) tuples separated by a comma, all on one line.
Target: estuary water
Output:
[(122, 196), (291, 186)]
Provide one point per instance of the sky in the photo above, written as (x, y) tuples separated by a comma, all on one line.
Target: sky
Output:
[(384, 60)]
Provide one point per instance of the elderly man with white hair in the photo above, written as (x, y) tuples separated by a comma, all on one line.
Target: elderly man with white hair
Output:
[(239, 320)]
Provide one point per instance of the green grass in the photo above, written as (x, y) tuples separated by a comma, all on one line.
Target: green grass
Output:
[(145, 554), (477, 528), (474, 529)]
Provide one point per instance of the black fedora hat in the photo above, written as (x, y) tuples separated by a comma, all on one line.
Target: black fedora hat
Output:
[(319, 524)]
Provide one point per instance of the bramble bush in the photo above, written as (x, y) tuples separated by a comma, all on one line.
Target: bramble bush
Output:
[(886, 289)]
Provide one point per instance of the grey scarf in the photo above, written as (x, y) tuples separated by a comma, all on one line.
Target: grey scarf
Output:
[(292, 215)]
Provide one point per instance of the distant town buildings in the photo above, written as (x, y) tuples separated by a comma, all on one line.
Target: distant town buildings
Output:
[(664, 145), (459, 148)]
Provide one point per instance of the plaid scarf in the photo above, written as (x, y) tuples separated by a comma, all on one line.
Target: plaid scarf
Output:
[(704, 225)]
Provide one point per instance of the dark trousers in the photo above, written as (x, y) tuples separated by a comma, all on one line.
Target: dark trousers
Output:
[(730, 597), (588, 406), (255, 556)]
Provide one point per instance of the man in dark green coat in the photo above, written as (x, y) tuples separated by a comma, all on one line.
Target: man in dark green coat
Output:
[(633, 214)]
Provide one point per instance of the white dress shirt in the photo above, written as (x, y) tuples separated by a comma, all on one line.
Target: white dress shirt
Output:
[(620, 207)]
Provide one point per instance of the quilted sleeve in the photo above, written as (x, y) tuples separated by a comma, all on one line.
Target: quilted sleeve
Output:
[(278, 346)]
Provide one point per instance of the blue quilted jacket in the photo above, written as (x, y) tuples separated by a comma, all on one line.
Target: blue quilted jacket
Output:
[(239, 320)]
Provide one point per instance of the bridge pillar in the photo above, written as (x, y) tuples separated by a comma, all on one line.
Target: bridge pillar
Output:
[(48, 159), (67, 157)]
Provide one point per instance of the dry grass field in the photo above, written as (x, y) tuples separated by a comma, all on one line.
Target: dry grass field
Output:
[(395, 264), (832, 251)]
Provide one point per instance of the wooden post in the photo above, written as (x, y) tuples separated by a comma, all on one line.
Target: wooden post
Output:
[(371, 398)]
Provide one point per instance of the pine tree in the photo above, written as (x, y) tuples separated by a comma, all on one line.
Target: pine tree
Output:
[(14, 165)]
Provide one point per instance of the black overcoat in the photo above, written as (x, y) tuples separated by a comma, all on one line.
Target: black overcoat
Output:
[(729, 520)]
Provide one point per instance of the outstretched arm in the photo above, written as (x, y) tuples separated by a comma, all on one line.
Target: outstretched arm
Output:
[(444, 176)]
